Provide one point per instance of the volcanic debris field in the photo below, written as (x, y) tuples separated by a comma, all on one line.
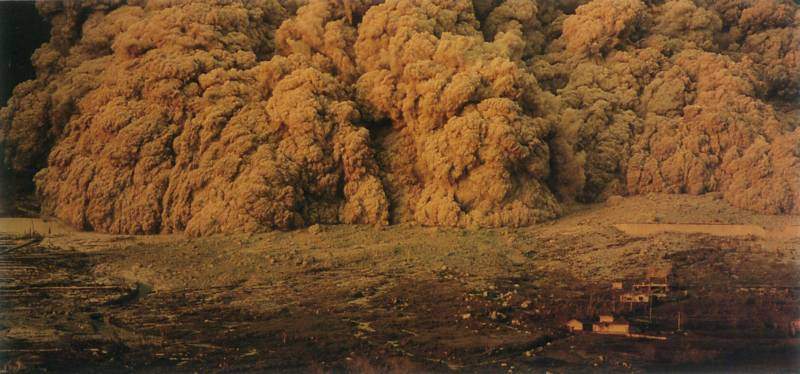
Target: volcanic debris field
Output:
[(405, 298), (415, 185)]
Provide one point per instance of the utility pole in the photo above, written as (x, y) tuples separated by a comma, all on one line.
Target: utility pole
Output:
[(614, 297), (590, 303)]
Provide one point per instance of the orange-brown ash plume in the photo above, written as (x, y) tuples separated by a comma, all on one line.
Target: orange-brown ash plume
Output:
[(240, 116)]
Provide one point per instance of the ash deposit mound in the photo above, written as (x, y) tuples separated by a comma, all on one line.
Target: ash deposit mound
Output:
[(239, 116)]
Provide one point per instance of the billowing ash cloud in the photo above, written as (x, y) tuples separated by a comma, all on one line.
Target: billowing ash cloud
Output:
[(240, 116)]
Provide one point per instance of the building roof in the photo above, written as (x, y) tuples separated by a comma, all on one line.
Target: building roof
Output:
[(581, 320), (616, 321)]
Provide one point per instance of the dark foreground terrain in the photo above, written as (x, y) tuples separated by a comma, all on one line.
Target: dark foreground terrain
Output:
[(402, 298)]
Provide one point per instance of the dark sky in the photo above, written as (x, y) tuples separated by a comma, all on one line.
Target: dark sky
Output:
[(22, 30)]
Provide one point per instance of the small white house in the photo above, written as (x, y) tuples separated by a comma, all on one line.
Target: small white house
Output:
[(574, 325), (634, 297), (618, 327)]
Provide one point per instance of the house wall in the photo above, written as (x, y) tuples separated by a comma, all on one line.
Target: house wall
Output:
[(611, 328), (575, 325)]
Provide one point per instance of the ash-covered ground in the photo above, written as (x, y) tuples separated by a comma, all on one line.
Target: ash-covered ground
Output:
[(405, 298)]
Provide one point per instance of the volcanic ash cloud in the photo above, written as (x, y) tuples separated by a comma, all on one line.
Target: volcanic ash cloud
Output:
[(226, 116)]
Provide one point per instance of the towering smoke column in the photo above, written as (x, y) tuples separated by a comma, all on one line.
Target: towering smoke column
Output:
[(226, 116)]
